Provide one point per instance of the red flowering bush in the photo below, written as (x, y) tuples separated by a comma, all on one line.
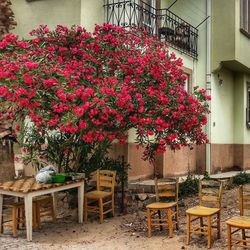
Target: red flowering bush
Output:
[(95, 87)]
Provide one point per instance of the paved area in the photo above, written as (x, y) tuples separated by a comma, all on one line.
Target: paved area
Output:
[(7, 242)]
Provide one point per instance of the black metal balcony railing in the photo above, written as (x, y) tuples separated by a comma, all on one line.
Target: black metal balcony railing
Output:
[(162, 22)]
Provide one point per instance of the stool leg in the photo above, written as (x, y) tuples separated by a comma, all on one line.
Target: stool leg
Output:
[(14, 221), (170, 223), (177, 217), (201, 225), (23, 217), (37, 214), (218, 225), (149, 222), (209, 231), (52, 210), (101, 210), (1, 226), (85, 209), (113, 205), (188, 229), (243, 236), (35, 222), (160, 221), (18, 217), (229, 239)]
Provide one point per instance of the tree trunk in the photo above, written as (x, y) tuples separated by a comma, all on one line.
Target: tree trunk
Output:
[(7, 169)]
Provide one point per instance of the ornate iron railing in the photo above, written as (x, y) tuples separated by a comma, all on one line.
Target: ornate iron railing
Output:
[(165, 24)]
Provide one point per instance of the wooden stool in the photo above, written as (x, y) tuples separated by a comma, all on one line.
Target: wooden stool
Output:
[(17, 217)]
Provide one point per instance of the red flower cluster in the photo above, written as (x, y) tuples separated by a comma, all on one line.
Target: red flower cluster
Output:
[(98, 86)]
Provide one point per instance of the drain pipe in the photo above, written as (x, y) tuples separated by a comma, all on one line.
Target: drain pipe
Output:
[(208, 85)]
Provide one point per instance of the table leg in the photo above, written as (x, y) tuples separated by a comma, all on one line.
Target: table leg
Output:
[(54, 196), (28, 216), (80, 203), (1, 212)]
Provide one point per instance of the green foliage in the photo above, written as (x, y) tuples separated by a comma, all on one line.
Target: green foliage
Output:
[(68, 153), (110, 164), (241, 178), (206, 176), (190, 186)]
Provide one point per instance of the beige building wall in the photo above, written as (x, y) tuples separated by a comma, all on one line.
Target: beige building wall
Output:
[(92, 12), (30, 14)]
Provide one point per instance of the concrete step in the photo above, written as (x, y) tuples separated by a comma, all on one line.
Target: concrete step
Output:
[(147, 186)]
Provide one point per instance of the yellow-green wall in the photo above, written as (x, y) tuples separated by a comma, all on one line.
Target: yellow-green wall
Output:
[(242, 49), (228, 43), (222, 107), (223, 31)]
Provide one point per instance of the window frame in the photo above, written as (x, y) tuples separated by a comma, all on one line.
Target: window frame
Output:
[(248, 106), (189, 73), (245, 17)]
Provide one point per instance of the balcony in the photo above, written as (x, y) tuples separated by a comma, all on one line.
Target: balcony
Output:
[(162, 22)]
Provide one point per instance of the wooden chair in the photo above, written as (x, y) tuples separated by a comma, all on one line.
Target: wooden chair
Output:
[(44, 206), (164, 188), (103, 196), (239, 223), (210, 206)]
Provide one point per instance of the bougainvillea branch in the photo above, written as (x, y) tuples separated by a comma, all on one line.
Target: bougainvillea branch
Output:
[(98, 86)]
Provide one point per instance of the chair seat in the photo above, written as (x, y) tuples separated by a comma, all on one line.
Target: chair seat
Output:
[(202, 211), (239, 221), (97, 194), (161, 205)]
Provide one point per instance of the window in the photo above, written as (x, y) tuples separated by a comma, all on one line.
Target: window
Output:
[(188, 85), (245, 16), (248, 106)]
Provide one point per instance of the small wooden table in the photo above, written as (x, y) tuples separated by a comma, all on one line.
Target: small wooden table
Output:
[(29, 188)]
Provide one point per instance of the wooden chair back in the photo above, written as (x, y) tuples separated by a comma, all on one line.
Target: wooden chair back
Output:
[(167, 188), (106, 180), (244, 195), (210, 192)]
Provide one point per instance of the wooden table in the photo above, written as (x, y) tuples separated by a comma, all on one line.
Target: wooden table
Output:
[(29, 188)]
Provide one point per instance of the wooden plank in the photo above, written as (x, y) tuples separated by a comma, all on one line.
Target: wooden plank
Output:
[(27, 185), (209, 198), (210, 191), (166, 181), (17, 185), (6, 185), (106, 184), (246, 198), (167, 194), (166, 187), (211, 183), (105, 178), (36, 186)]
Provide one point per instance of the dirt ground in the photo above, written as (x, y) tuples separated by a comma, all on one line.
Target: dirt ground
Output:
[(119, 233)]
